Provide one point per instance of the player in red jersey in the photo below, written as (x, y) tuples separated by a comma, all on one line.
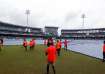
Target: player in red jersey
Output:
[(25, 44), (32, 44), (45, 42), (65, 44), (58, 47), (51, 57)]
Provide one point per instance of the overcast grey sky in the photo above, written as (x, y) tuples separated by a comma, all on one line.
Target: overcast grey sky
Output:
[(61, 13)]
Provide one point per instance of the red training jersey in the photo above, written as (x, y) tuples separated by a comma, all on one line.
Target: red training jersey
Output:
[(104, 48), (65, 42), (51, 54), (25, 43), (34, 43), (31, 43), (58, 45)]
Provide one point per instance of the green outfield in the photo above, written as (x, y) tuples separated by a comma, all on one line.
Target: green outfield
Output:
[(15, 60)]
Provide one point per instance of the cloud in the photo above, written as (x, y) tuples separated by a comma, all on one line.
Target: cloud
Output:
[(61, 13), (71, 16)]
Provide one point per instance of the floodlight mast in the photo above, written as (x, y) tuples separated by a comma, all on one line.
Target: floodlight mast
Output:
[(83, 20), (27, 14)]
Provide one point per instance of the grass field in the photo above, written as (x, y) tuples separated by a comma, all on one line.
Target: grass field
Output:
[(15, 60)]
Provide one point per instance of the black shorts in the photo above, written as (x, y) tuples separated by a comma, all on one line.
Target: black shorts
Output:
[(58, 49), (25, 46), (49, 62)]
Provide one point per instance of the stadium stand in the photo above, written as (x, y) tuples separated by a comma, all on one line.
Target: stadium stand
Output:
[(11, 30), (51, 30), (97, 33)]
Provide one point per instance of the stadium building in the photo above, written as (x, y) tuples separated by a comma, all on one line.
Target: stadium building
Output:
[(11, 30), (51, 30), (98, 33)]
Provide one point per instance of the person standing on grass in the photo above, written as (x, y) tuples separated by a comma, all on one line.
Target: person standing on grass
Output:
[(48, 43), (45, 42), (50, 40), (65, 44), (51, 57), (25, 44), (60, 43), (32, 44), (1, 43), (58, 47), (104, 51)]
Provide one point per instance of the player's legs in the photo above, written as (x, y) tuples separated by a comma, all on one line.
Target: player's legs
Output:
[(59, 51), (48, 65), (26, 48), (66, 47), (53, 68), (30, 47), (103, 56), (33, 47)]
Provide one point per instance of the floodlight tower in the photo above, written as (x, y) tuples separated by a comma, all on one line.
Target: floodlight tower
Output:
[(83, 17), (27, 14)]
